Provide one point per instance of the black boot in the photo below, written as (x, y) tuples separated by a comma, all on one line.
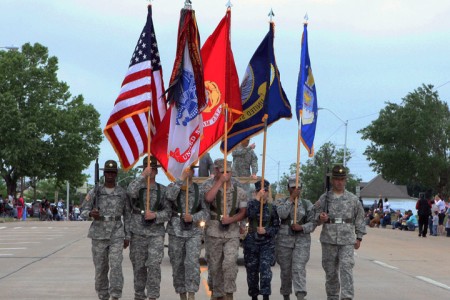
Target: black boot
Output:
[(254, 297), (265, 297)]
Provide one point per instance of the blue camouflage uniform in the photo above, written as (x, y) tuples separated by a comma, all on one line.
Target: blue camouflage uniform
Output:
[(259, 251)]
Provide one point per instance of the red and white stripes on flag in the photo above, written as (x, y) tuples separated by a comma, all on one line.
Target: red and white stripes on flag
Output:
[(142, 90)]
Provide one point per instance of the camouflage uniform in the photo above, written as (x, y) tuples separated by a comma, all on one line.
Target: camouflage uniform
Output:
[(259, 251), (293, 248), (245, 163), (147, 242), (185, 244), (108, 236), (222, 245), (338, 238)]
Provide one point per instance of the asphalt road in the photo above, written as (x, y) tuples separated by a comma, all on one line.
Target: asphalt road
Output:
[(52, 260)]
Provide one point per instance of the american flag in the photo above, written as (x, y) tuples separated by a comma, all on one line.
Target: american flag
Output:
[(142, 90)]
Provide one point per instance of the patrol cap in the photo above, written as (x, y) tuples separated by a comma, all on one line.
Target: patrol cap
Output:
[(218, 163), (258, 185), (291, 182), (110, 166), (153, 162), (339, 171)]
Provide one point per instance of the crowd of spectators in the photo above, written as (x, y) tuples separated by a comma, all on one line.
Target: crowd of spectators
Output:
[(44, 210), (437, 219)]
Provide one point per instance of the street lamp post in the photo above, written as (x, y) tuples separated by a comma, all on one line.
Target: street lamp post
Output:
[(346, 125)]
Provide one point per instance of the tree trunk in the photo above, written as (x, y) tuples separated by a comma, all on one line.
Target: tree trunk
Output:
[(11, 185)]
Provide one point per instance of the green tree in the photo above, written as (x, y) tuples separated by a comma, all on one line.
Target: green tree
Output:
[(410, 141), (45, 132), (313, 173)]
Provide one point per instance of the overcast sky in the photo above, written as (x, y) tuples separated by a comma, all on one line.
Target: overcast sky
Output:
[(363, 54)]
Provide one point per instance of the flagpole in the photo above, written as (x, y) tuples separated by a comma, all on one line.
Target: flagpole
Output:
[(225, 154), (149, 140), (261, 201), (297, 173), (187, 196)]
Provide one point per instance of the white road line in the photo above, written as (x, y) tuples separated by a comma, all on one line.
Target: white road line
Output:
[(6, 254), (436, 283), (2, 227), (13, 248), (13, 243), (384, 265)]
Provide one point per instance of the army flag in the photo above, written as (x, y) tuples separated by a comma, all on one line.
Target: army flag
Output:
[(221, 83), (306, 101), (262, 95), (177, 142), (142, 90)]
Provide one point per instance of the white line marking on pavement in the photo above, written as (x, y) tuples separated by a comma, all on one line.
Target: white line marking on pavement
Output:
[(384, 265), (436, 283), (6, 254), (17, 227), (2, 227), (13, 248), (12, 243)]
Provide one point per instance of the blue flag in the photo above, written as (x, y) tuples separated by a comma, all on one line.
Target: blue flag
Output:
[(261, 93), (306, 107)]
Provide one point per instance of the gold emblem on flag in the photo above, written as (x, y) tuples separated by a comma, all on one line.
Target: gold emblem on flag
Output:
[(213, 94)]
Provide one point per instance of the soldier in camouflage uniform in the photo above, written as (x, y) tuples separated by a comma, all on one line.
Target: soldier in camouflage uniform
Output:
[(147, 231), (259, 244), (245, 163), (107, 204), (222, 230), (294, 241), (342, 217), (185, 234)]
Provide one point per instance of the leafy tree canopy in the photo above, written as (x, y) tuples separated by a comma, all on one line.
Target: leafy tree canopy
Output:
[(313, 173), (45, 132), (410, 141)]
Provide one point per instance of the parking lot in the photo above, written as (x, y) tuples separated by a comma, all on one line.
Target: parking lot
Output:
[(52, 260)]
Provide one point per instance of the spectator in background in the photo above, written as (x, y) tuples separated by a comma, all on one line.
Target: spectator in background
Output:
[(386, 206), (76, 212), (423, 210), (447, 225), (375, 222), (20, 204), (386, 220), (380, 203), (441, 215), (206, 166), (435, 223), (430, 219), (398, 222), (411, 223)]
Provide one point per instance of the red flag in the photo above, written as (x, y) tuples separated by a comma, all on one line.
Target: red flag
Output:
[(221, 83), (177, 142), (142, 90)]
